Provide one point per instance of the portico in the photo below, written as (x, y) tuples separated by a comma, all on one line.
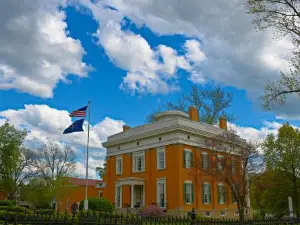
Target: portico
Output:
[(136, 189)]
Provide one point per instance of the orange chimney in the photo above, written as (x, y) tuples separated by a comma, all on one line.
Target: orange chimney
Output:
[(126, 127), (194, 114), (223, 123)]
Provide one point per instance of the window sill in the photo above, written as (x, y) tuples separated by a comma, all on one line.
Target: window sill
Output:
[(161, 169), (189, 203), (138, 171)]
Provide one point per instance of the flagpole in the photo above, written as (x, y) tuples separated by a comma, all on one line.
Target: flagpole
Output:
[(86, 206)]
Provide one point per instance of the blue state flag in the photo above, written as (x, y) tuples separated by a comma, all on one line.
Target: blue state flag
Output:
[(75, 127)]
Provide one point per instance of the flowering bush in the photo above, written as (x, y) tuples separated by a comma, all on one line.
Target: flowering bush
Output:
[(152, 211)]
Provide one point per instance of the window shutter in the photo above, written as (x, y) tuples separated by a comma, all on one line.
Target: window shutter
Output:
[(224, 193), (202, 162), (192, 187), (219, 199), (203, 185), (184, 162), (184, 192), (209, 193), (191, 156)]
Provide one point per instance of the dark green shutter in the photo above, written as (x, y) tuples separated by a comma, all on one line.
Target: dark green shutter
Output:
[(192, 192), (209, 193), (224, 194), (202, 192), (191, 158), (184, 163), (184, 192), (219, 194)]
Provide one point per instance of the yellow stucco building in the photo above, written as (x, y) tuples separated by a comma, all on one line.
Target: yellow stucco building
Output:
[(152, 164)]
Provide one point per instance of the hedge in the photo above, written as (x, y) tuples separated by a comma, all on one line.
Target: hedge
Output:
[(7, 203), (98, 204)]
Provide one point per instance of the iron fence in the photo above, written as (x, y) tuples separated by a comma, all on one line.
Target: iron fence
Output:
[(98, 218)]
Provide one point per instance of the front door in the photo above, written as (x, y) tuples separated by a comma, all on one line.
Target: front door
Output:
[(138, 192)]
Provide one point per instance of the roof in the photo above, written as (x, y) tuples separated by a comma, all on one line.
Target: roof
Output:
[(82, 182)]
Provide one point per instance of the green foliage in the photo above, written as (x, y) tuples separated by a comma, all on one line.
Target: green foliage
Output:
[(282, 155), (102, 170), (45, 211), (98, 204), (211, 101), (6, 203)]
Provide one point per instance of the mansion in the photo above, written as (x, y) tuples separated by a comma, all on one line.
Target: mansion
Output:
[(153, 164)]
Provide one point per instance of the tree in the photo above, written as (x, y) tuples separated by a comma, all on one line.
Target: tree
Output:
[(269, 193), (235, 167), (283, 16), (211, 102), (53, 161), (16, 161), (282, 153), (102, 170)]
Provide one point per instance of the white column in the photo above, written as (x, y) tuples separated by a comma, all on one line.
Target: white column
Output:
[(132, 195)]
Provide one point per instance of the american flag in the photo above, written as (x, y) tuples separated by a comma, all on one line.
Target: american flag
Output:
[(79, 112)]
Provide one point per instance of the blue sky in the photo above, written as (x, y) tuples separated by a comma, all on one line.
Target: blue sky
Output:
[(63, 40)]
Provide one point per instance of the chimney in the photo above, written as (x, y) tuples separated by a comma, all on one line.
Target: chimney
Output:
[(126, 127), (194, 114), (223, 123)]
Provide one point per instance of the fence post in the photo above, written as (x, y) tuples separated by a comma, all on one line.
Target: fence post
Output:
[(193, 217)]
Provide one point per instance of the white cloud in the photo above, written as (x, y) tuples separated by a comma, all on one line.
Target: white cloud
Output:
[(35, 50), (236, 54), (146, 72), (46, 124)]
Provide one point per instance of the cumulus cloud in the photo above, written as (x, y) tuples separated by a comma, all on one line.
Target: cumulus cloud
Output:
[(35, 50), (236, 54), (46, 125), (149, 70)]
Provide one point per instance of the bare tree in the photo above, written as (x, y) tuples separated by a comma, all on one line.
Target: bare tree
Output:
[(211, 102), (53, 161), (233, 162), (283, 17)]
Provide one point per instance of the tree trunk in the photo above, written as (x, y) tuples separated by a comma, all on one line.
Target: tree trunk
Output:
[(242, 215), (295, 195)]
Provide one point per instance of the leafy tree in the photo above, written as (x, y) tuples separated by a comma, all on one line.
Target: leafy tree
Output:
[(211, 102), (16, 161), (102, 170), (269, 193), (53, 161), (283, 17), (38, 192), (282, 153)]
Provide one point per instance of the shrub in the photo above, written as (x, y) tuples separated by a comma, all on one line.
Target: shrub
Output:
[(98, 204), (152, 212), (6, 203), (45, 211)]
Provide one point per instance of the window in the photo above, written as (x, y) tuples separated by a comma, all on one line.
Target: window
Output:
[(161, 193), (187, 158), (188, 192), (208, 214), (205, 160), (206, 193), (223, 213), (118, 196), (98, 185), (221, 193), (100, 194), (237, 213), (138, 162), (119, 165), (233, 167), (161, 158), (220, 162)]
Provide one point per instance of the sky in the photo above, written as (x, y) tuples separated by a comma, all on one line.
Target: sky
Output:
[(127, 57)]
